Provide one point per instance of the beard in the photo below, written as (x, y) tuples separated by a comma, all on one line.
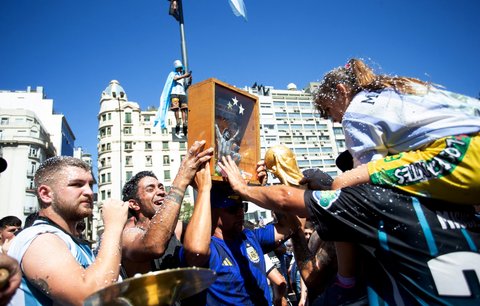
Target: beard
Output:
[(73, 212)]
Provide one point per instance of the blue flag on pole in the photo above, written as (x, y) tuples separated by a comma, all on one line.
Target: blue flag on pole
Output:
[(164, 102), (238, 8)]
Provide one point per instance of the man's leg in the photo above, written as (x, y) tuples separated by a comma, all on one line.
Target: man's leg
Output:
[(184, 120)]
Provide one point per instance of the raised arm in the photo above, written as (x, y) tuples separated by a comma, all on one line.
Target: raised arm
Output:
[(278, 197), (50, 266), (152, 243), (199, 230)]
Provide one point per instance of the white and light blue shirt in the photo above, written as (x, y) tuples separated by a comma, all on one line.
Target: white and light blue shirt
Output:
[(377, 124), (27, 293)]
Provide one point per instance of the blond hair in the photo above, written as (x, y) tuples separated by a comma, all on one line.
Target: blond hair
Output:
[(359, 77)]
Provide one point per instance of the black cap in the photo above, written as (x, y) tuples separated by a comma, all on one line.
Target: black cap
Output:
[(3, 164)]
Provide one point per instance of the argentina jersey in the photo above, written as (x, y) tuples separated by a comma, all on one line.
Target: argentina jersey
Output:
[(420, 251), (27, 294), (240, 268)]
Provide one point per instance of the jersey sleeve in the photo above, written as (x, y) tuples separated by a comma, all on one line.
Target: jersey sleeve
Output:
[(266, 237)]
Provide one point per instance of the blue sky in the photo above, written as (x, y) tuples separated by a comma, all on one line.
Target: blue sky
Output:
[(74, 48)]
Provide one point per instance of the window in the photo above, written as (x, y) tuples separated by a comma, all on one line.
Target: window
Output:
[(148, 160), (148, 131), (127, 130), (166, 160), (109, 146), (128, 145), (166, 174), (109, 179), (148, 145), (128, 160), (337, 131), (109, 116), (182, 145), (128, 117), (146, 118), (104, 117), (102, 178), (33, 151), (102, 195), (128, 175), (4, 121), (165, 145), (31, 183)]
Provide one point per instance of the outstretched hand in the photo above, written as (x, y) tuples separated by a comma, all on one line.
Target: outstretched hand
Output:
[(203, 179), (195, 158), (231, 173)]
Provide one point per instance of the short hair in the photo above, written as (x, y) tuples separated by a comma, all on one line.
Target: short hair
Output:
[(10, 221), (46, 171), (130, 188)]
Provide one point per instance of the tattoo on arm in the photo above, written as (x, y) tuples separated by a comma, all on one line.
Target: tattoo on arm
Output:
[(175, 195), (42, 285)]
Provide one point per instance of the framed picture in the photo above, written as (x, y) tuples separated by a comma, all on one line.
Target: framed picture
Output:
[(227, 118)]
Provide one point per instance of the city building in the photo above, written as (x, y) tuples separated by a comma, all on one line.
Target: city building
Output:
[(129, 143), (30, 132)]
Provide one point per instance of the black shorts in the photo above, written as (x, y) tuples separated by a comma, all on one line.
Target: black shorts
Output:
[(178, 102)]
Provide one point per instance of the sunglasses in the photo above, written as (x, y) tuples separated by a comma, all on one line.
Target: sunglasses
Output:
[(234, 209)]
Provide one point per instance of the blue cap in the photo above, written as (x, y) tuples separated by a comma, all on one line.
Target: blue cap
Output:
[(223, 197)]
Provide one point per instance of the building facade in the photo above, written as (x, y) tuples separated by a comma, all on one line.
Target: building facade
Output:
[(30, 132), (129, 143)]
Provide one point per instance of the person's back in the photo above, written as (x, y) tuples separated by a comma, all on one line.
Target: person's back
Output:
[(421, 249)]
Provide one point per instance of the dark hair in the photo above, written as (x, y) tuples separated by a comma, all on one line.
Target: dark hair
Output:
[(130, 188), (10, 221)]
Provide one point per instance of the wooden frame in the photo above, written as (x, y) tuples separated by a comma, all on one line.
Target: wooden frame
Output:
[(227, 118)]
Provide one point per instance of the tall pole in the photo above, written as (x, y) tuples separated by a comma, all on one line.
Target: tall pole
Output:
[(176, 10)]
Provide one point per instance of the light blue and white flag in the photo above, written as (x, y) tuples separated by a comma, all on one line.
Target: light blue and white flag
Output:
[(164, 102), (238, 8)]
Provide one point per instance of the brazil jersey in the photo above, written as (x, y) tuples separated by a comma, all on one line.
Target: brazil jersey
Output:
[(422, 251)]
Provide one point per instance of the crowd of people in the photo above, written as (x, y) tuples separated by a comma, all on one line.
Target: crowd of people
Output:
[(398, 227)]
